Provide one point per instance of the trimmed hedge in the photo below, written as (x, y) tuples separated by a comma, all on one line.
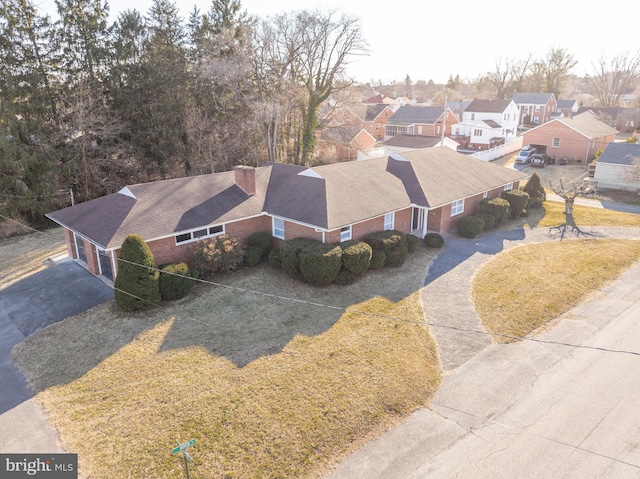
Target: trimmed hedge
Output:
[(289, 254), (356, 257), (345, 277), (262, 240), (137, 283), (274, 259), (392, 243), (517, 202), (253, 255), (220, 254), (498, 207), (412, 243), (378, 258), (489, 220), (175, 281), (320, 264), (434, 240), (470, 226)]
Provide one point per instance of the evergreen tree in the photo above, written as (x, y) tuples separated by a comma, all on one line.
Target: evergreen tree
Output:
[(137, 283), (537, 194)]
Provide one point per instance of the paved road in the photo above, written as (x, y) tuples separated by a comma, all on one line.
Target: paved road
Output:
[(530, 409), (27, 306)]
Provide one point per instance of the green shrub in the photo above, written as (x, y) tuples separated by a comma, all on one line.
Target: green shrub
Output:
[(253, 255), (320, 264), (396, 256), (345, 277), (274, 259), (434, 240), (518, 200), (176, 280), (489, 220), (470, 226), (220, 254), (137, 283), (356, 257), (536, 192), (385, 240), (412, 243), (378, 258), (290, 251), (498, 207), (262, 240)]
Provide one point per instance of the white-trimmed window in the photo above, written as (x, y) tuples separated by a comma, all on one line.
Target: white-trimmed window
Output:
[(485, 194), (278, 228), (389, 221), (508, 186), (477, 132), (345, 233), (555, 143), (457, 207), (199, 234)]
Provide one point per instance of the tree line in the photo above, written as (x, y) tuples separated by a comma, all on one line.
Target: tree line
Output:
[(88, 107)]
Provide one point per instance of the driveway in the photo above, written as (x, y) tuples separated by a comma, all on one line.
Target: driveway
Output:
[(27, 306), (571, 400)]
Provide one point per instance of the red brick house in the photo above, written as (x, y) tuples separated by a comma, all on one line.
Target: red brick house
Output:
[(414, 192), (420, 120), (578, 137), (535, 108)]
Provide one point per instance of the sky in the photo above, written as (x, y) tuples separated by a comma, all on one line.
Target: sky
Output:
[(432, 40)]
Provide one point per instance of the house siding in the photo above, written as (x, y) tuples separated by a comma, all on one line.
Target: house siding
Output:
[(572, 143), (614, 177)]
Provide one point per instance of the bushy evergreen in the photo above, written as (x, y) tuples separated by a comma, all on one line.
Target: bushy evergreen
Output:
[(274, 259), (518, 200), (356, 257), (137, 283), (220, 254), (536, 192), (262, 240), (489, 220), (176, 280), (378, 258), (498, 207), (253, 255), (392, 243), (290, 254), (320, 264), (470, 226), (433, 240), (412, 243)]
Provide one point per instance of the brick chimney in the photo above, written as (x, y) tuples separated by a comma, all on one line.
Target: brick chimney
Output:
[(246, 179)]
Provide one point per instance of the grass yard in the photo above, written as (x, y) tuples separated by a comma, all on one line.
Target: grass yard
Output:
[(553, 215), (266, 387), (524, 288)]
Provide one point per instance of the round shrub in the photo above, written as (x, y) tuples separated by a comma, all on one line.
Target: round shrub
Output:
[(176, 280), (518, 200), (385, 240), (290, 251), (320, 264), (253, 255), (137, 283), (378, 258), (274, 259), (262, 240), (470, 226), (434, 240), (396, 256), (489, 220), (412, 243), (498, 207), (356, 257)]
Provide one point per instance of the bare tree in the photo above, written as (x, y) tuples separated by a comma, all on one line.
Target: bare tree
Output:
[(508, 74), (615, 76), (556, 68)]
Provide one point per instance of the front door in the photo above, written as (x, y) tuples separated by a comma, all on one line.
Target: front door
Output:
[(417, 220), (106, 268)]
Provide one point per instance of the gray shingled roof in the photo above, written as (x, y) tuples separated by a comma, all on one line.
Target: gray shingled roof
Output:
[(413, 141), (487, 106), (416, 114), (585, 123), (620, 154), (532, 98), (326, 197)]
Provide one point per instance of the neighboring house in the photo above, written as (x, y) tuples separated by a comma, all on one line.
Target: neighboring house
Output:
[(535, 108), (458, 107), (413, 192), (403, 143), (567, 108), (487, 123), (615, 164), (625, 120), (578, 137), (342, 144), (420, 120)]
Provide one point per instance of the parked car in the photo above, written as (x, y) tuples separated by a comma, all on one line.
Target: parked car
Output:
[(539, 160), (525, 155)]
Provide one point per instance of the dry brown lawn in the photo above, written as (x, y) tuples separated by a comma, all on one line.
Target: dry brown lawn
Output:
[(553, 215), (524, 288), (267, 387)]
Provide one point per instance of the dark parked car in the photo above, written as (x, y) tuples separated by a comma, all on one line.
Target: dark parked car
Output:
[(539, 160)]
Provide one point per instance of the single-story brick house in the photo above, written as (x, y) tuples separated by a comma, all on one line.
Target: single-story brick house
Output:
[(614, 167), (578, 137), (414, 192)]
